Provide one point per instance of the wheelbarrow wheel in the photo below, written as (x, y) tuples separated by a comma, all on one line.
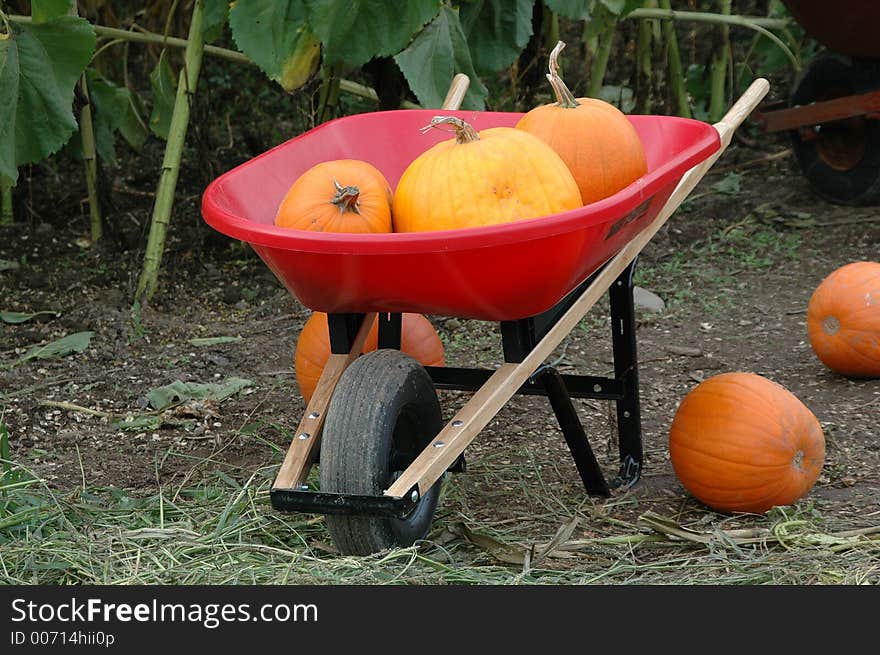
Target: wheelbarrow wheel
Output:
[(383, 413), (840, 159)]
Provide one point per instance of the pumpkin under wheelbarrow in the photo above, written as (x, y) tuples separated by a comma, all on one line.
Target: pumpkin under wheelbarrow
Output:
[(373, 423)]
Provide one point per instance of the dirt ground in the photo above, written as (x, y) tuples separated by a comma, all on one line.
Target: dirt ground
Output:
[(735, 268)]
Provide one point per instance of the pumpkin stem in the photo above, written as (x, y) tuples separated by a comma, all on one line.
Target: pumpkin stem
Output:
[(464, 133), (346, 198), (564, 97)]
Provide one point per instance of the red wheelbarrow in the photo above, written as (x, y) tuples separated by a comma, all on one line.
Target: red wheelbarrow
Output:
[(834, 106), (373, 424)]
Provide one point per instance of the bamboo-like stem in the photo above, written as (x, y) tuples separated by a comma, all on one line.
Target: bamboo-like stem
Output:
[(665, 13), (186, 88), (718, 97), (90, 160), (348, 86), (6, 214), (329, 96), (756, 23), (643, 67), (550, 26), (676, 74), (600, 61)]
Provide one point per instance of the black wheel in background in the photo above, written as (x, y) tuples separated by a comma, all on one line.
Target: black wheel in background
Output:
[(841, 159), (383, 413)]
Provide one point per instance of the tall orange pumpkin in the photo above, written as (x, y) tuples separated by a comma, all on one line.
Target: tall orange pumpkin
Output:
[(742, 443), (418, 339), (342, 195), (482, 178), (843, 320), (594, 138)]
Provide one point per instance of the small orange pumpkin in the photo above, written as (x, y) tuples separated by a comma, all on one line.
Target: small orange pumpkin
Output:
[(843, 320), (594, 138), (418, 339), (495, 176), (342, 195), (742, 443)]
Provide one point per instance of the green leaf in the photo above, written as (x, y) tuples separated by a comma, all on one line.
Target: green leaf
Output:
[(115, 110), (729, 185), (40, 65), (434, 57), (276, 35), (21, 317), (178, 392), (214, 19), (497, 31), (139, 423), (9, 265), (213, 341), (72, 343), (576, 9), (355, 31), (45, 10), (164, 87)]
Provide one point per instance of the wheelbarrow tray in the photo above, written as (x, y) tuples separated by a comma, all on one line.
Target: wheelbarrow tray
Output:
[(497, 273)]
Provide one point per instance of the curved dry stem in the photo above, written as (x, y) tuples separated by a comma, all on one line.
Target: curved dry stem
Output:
[(464, 132), (564, 97)]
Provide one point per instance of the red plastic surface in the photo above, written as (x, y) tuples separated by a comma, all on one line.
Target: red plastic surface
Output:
[(496, 273)]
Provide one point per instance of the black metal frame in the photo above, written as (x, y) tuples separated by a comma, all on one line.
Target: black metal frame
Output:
[(518, 339)]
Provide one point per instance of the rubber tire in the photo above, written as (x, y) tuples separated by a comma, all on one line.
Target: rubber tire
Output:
[(384, 406), (832, 75)]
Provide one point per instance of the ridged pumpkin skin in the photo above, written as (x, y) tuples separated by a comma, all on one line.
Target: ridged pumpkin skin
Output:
[(742, 443), (418, 339), (503, 175), (843, 320), (595, 139), (342, 195)]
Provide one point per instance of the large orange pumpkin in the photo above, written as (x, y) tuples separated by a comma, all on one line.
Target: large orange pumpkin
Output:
[(742, 443), (495, 176), (342, 195), (418, 339), (594, 138), (843, 320)]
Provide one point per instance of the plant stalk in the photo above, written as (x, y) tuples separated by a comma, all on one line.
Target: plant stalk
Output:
[(328, 102), (676, 73), (757, 23), (600, 61), (6, 214), (90, 159), (665, 13), (720, 59), (643, 67), (186, 88)]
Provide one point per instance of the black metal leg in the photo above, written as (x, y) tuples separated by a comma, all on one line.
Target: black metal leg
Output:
[(566, 414), (623, 328), (389, 330)]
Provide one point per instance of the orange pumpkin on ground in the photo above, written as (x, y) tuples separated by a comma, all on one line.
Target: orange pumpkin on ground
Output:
[(843, 320), (594, 138), (418, 339), (343, 195), (742, 443), (495, 176)]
